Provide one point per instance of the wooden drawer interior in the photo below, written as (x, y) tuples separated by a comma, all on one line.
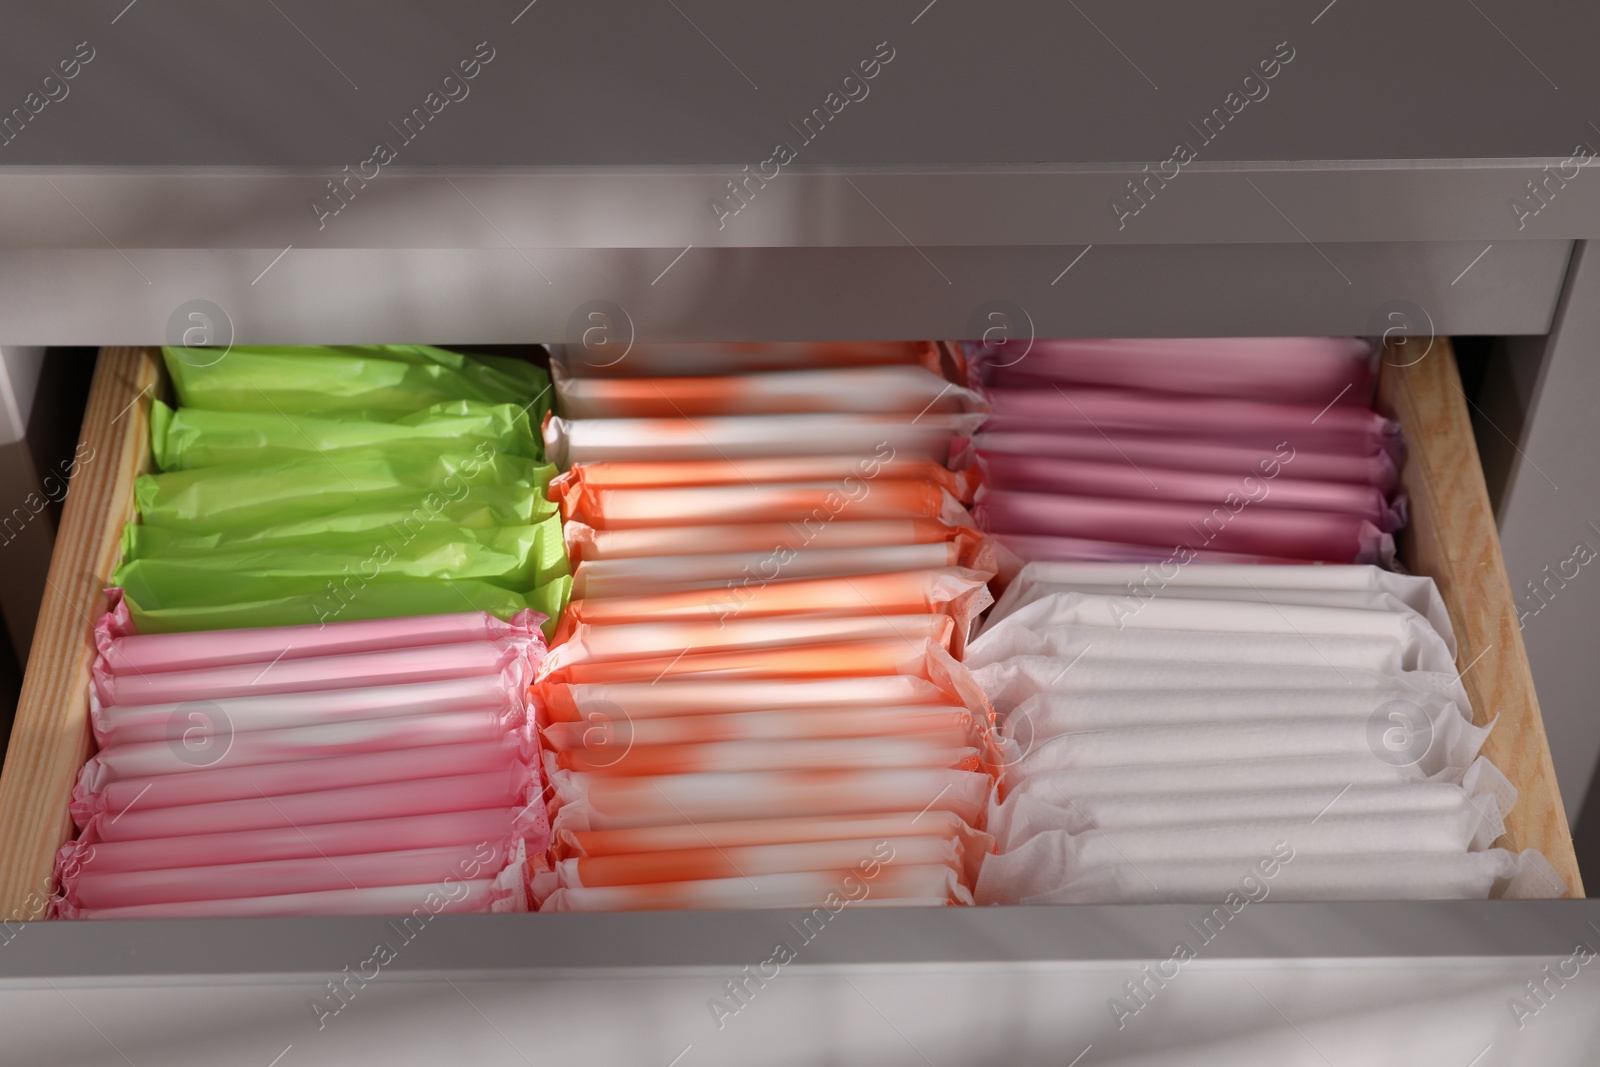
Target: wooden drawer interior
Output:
[(1451, 537)]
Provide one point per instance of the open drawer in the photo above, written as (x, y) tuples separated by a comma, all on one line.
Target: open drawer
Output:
[(1451, 537)]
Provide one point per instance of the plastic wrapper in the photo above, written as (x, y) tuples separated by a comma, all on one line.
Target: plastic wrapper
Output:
[(167, 597), (480, 896), (516, 557), (1454, 743), (156, 758), (474, 507), (755, 861), (718, 505), (516, 786), (651, 360), (510, 657), (948, 748), (1298, 535), (96, 791), (599, 646), (197, 437), (1046, 715), (371, 380), (1421, 647), (292, 488), (569, 442), (589, 802), (1363, 876), (734, 572), (442, 868), (1223, 582), (746, 832), (797, 724), (676, 698), (957, 593), (500, 827), (1160, 650), (1026, 814), (128, 724), (1204, 489), (125, 651), (587, 544), (905, 389), (1118, 413), (960, 484), (1297, 370), (1010, 681), (1045, 861), (1016, 550), (1376, 468), (804, 662), (893, 885)]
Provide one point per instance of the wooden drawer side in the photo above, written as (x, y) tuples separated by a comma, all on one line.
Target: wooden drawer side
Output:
[(1453, 539), (51, 737)]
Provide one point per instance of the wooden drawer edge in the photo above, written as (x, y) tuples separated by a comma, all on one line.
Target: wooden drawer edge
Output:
[(50, 739), (1452, 538)]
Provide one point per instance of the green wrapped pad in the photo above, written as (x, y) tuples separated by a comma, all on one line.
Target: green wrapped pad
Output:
[(481, 507), (190, 438), (209, 600), (516, 557), (297, 488), (377, 381)]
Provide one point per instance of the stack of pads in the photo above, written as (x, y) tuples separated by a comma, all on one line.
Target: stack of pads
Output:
[(1177, 734), (377, 767), (1245, 450), (753, 699), (312, 485)]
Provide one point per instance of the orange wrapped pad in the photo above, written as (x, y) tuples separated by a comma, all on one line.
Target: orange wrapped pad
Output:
[(585, 543), (592, 802), (760, 470), (900, 390), (747, 832), (959, 594), (933, 884), (722, 505), (779, 724), (679, 697), (752, 861), (630, 647), (947, 748), (598, 361)]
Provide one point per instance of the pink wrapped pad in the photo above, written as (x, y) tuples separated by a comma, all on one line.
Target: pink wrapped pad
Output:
[(1295, 370), (1376, 468), (1119, 479), (355, 670), (134, 723), (1260, 531), (126, 652), (1119, 413), (498, 826), (309, 743), (117, 889), (481, 896), (425, 796), (222, 783)]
